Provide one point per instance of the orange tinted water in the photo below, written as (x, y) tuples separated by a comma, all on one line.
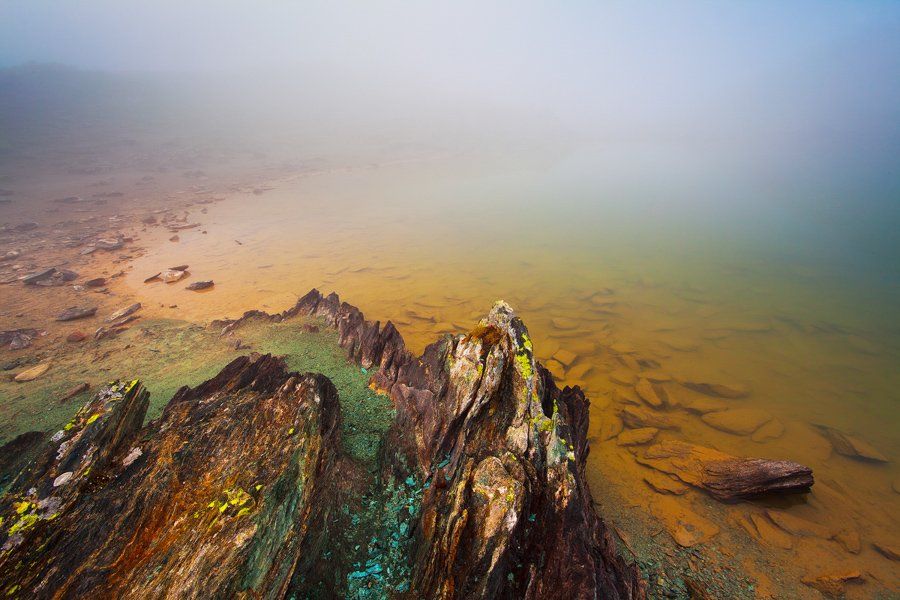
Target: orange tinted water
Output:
[(616, 281)]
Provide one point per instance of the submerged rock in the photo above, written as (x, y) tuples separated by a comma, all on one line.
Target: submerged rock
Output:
[(832, 584), (725, 477), (719, 390), (243, 487), (637, 437), (739, 421), (849, 446)]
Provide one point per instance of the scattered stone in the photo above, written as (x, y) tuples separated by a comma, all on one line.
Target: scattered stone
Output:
[(680, 344), (770, 534), (798, 525), (623, 377), (889, 552), (686, 527), (18, 339), (32, 373), (124, 312), (565, 357), (174, 238), (719, 390), (629, 362), (831, 584), (34, 278), (637, 437), (563, 323), (96, 282), (849, 540), (556, 369), (179, 268), (656, 376), (663, 484), (849, 446), (76, 336), (152, 278), (11, 255), (652, 394), (610, 427), (56, 278), (579, 371), (172, 275), (636, 417), (725, 477), (703, 405), (109, 244), (74, 312), (200, 285), (75, 391), (772, 430), (739, 421)]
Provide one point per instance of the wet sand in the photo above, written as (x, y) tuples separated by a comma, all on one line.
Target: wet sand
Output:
[(604, 313)]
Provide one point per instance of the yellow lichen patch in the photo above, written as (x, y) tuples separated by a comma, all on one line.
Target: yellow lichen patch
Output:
[(26, 522), (92, 418), (233, 498), (523, 359)]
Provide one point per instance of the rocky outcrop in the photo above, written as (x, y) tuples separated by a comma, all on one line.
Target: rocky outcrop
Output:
[(242, 487), (223, 493)]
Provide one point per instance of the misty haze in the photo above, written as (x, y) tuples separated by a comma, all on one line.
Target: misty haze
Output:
[(469, 300)]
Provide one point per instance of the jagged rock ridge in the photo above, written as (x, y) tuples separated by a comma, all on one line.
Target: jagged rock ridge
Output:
[(241, 487)]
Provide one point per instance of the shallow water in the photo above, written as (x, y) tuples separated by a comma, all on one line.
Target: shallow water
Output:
[(706, 273)]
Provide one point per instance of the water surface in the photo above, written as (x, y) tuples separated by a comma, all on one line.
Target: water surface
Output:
[(709, 272)]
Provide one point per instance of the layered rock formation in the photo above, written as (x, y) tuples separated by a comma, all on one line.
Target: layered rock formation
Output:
[(242, 487)]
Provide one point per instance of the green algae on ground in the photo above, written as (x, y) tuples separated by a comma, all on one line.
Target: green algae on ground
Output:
[(366, 414), (168, 354)]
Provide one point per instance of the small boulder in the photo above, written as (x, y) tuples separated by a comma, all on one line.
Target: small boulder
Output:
[(200, 285), (172, 275), (75, 312), (76, 336), (565, 357), (739, 421), (32, 373), (652, 394), (849, 446), (831, 584), (637, 437), (719, 390), (124, 312), (887, 551)]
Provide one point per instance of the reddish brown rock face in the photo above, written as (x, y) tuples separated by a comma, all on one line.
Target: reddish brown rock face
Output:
[(242, 487)]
